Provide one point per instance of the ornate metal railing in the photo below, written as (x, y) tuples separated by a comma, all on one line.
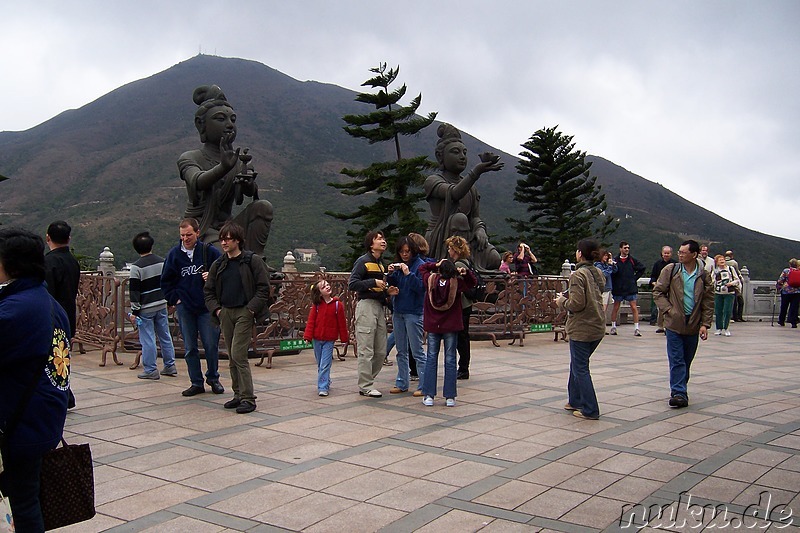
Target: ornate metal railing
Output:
[(506, 312)]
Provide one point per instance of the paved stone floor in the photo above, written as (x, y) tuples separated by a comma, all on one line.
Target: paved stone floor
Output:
[(506, 458)]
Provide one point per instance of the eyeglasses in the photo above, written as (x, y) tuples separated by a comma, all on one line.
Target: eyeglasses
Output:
[(225, 239)]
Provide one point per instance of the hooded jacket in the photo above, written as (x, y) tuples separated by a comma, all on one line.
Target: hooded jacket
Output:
[(448, 320), (327, 322), (412, 292), (586, 320)]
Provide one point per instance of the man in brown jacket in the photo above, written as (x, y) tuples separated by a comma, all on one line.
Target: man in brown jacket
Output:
[(684, 294)]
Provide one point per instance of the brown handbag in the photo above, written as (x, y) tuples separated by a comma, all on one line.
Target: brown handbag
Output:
[(66, 494)]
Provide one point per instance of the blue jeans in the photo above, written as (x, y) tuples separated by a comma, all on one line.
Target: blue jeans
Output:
[(19, 482), (408, 335), (680, 352), (580, 387), (191, 325), (323, 353), (150, 325), (432, 364), (389, 343)]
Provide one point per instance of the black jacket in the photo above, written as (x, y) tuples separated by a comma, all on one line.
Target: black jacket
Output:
[(255, 281), (62, 274), (623, 281)]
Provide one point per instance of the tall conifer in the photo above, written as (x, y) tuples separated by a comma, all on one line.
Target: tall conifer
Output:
[(564, 202), (397, 183)]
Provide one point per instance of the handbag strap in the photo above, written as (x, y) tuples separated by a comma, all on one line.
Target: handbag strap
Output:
[(12, 422)]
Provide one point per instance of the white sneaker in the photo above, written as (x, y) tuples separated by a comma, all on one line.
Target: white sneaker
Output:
[(450, 402), (727, 333), (718, 332), (428, 401), (613, 331), (637, 333)]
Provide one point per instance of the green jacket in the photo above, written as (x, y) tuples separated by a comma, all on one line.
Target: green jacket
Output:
[(255, 279), (586, 320)]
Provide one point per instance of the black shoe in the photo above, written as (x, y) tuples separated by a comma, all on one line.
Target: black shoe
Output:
[(194, 390), (462, 375), (232, 404), (216, 387), (678, 402), (246, 406), (781, 324)]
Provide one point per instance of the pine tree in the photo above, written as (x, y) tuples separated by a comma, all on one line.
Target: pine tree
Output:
[(397, 183), (564, 203)]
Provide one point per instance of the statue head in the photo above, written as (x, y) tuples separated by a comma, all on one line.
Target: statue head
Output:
[(209, 97), (450, 141)]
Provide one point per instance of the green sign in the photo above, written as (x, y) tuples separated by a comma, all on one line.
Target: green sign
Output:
[(534, 328), (295, 344)]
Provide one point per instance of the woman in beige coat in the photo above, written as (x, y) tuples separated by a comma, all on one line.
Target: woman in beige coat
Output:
[(586, 326)]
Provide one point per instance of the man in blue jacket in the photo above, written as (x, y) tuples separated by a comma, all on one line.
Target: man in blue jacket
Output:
[(182, 280), (625, 287)]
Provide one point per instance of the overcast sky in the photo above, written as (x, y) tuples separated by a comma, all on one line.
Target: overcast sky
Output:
[(700, 96)]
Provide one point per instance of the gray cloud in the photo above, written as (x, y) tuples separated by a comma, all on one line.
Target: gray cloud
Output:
[(699, 96)]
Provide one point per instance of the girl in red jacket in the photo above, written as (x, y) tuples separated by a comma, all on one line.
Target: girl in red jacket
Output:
[(326, 323)]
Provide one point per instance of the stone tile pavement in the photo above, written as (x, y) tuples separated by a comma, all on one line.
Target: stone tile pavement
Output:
[(506, 458)]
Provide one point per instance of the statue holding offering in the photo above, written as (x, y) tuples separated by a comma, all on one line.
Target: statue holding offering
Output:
[(454, 200), (216, 175)]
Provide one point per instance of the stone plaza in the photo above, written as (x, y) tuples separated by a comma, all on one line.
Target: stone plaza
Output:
[(508, 457)]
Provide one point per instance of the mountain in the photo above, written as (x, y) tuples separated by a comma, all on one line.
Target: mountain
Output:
[(109, 168)]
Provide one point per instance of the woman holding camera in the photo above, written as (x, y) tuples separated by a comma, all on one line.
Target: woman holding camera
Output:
[(407, 313), (524, 261), (585, 328)]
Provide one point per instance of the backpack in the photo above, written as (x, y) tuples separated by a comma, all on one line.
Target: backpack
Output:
[(477, 293), (794, 277)]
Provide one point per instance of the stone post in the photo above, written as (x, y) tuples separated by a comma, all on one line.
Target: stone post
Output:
[(106, 265), (566, 268), (747, 292), (289, 263)]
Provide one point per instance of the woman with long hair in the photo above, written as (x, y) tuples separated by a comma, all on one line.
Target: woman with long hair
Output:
[(407, 314)]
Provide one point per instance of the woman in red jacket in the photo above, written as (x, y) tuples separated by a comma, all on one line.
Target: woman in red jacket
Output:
[(326, 323)]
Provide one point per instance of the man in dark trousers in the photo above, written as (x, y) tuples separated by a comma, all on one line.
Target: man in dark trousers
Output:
[(182, 279), (684, 293), (62, 274), (237, 295), (624, 286), (657, 318), (61, 270)]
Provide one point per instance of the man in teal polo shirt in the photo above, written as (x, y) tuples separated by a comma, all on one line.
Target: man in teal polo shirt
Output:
[(684, 294)]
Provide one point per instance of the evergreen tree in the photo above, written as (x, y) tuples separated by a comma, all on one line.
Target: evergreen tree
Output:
[(564, 203), (398, 182)]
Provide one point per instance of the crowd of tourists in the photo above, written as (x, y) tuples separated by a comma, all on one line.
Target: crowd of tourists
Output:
[(226, 293)]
